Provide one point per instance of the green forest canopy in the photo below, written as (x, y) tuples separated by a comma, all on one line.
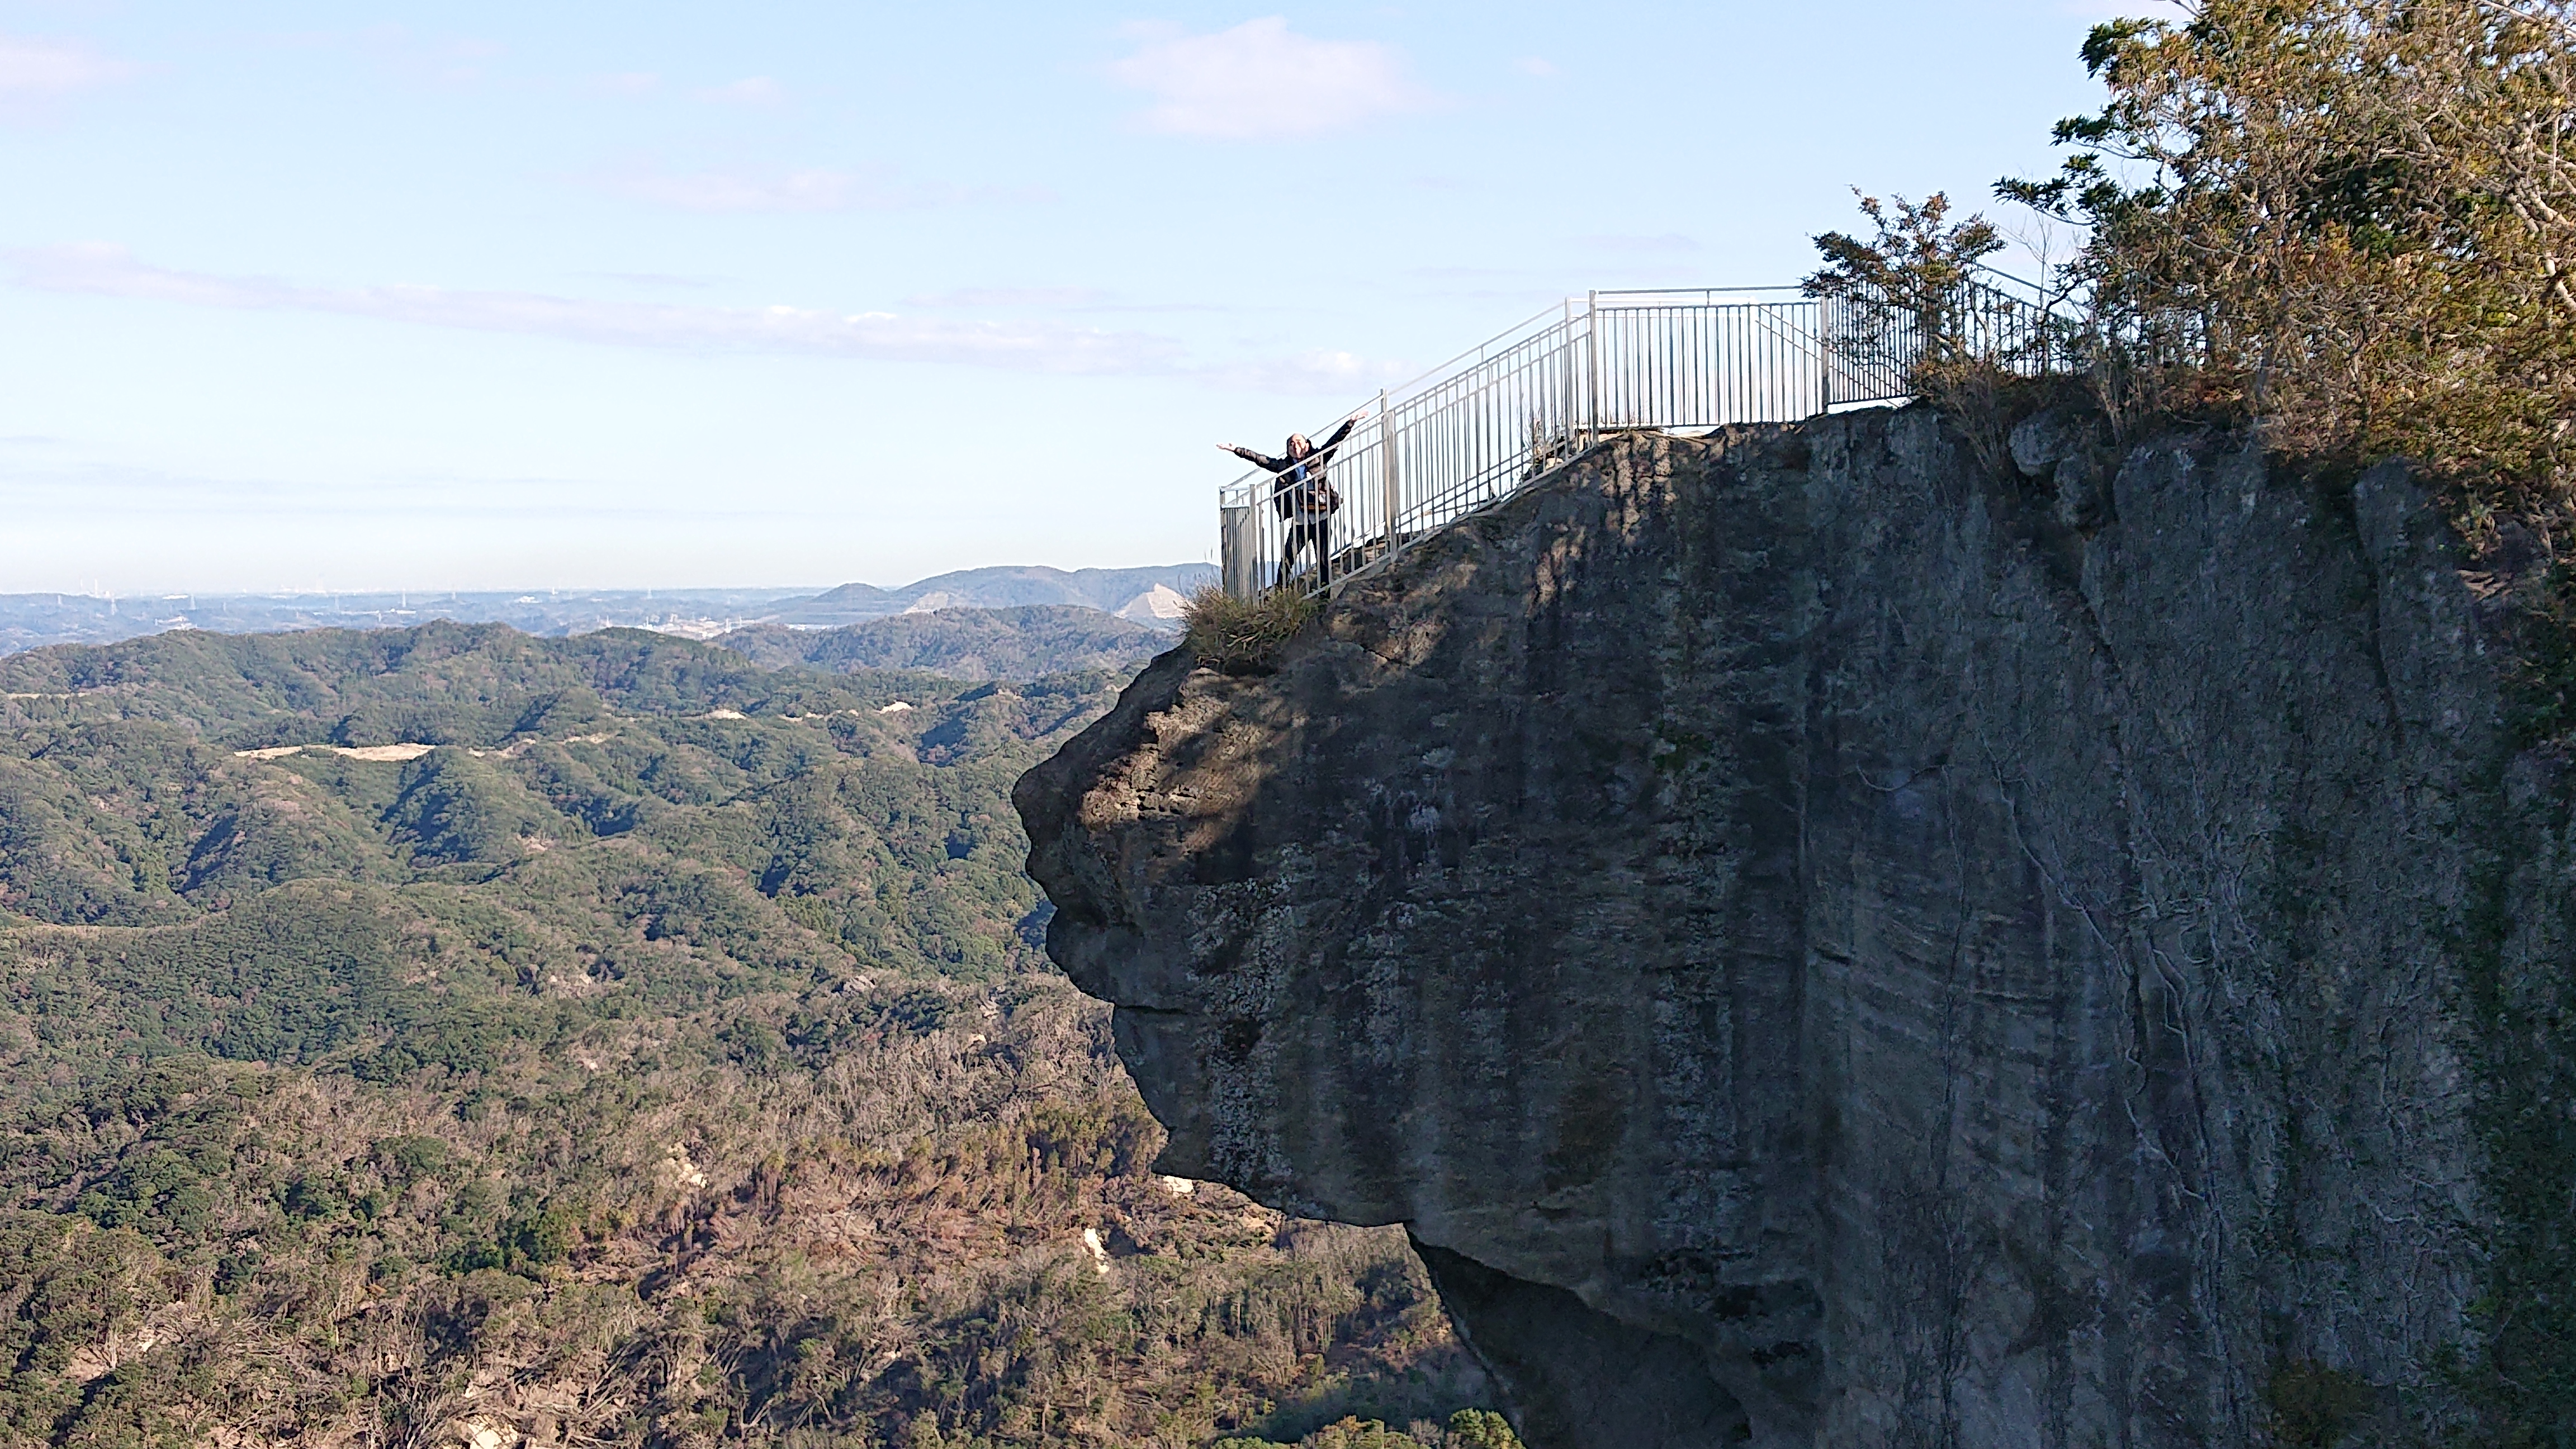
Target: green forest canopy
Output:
[(654, 1047)]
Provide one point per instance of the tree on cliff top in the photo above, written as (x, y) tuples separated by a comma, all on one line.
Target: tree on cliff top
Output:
[(2349, 219), (1910, 279)]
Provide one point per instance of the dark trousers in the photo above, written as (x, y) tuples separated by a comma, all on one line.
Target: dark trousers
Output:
[(1305, 530)]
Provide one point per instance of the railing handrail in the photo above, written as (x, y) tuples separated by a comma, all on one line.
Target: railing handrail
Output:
[(1424, 381), (1411, 387), (1611, 294), (1478, 352), (1480, 425)]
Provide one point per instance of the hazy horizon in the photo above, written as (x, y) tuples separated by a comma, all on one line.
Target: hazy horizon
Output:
[(429, 592), (34, 620)]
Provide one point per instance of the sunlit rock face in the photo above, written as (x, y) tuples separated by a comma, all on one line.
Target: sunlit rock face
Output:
[(1832, 936)]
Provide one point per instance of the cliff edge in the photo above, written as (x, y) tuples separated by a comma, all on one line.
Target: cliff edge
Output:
[(1825, 942)]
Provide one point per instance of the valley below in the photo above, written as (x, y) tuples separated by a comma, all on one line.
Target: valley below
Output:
[(444, 1036)]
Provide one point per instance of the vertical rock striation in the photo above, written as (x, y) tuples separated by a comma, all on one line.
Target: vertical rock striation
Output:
[(1824, 945)]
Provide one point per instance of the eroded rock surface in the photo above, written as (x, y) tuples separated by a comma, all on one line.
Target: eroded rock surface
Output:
[(1826, 945)]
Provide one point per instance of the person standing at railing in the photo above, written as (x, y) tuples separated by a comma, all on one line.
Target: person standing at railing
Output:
[(1304, 497)]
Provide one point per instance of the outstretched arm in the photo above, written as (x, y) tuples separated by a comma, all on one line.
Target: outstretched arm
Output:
[(1274, 465), (1324, 450)]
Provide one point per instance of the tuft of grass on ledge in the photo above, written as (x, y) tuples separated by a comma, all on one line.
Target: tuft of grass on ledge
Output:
[(1244, 636)]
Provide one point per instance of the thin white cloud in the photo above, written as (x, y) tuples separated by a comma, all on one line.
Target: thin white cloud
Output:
[(1470, 274), (38, 69), (2122, 9), (85, 491), (875, 188), (1318, 373), (751, 90), (1113, 305), (1671, 241), (1262, 81), (1537, 65), (1012, 297), (112, 271), (656, 279), (809, 190), (458, 60), (1053, 299)]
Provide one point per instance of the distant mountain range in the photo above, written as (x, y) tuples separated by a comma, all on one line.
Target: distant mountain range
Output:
[(1148, 596), (1129, 593), (1011, 644)]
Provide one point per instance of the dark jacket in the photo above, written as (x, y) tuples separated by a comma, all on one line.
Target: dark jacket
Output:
[(1300, 487)]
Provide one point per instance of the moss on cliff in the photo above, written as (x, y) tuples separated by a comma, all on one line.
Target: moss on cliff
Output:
[(2518, 1000)]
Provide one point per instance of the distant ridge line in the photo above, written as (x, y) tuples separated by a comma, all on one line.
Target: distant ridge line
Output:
[(35, 620)]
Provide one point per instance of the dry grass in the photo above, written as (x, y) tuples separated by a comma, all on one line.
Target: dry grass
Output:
[(1244, 636)]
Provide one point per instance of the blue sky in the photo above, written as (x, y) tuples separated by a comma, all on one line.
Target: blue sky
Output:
[(495, 296)]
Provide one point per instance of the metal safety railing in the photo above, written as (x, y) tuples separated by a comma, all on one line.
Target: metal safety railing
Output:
[(1478, 427)]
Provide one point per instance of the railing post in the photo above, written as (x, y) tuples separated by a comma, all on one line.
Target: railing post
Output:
[(1592, 360), (1239, 549), (1391, 485), (1824, 354), (1567, 369)]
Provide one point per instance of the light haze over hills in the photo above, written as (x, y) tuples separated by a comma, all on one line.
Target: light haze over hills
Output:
[(1139, 596), (1115, 590)]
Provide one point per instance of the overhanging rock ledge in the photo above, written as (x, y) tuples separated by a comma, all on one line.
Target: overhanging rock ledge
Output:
[(1827, 943)]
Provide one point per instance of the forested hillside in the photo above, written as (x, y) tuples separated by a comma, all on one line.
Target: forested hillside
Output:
[(1025, 643), (446, 1036)]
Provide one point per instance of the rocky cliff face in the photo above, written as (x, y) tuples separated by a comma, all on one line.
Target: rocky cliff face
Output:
[(1825, 943)]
